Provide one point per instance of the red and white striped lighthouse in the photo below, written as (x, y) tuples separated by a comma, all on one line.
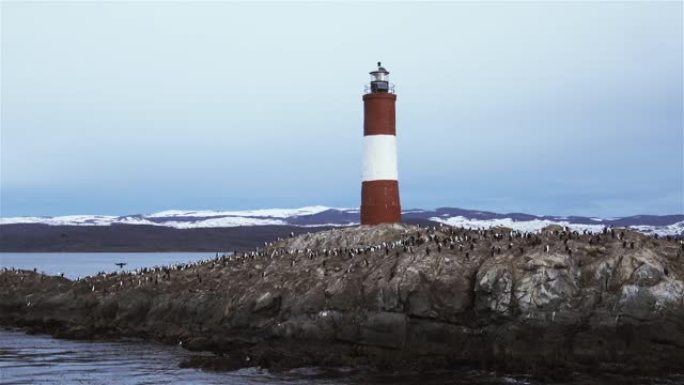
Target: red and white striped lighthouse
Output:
[(380, 185)]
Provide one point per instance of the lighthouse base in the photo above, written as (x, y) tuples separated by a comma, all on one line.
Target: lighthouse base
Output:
[(380, 202)]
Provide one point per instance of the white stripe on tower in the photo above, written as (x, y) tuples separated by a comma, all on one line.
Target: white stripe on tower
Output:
[(379, 158)]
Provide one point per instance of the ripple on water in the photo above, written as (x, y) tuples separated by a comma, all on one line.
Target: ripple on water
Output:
[(36, 359)]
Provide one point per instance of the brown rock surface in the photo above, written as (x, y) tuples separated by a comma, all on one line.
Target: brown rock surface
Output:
[(392, 296)]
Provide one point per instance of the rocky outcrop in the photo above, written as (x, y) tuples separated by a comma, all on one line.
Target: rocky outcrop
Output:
[(392, 296)]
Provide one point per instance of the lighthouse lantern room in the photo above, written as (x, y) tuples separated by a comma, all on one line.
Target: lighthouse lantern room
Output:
[(379, 79)]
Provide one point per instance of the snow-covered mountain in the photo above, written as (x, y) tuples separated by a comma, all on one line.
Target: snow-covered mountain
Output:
[(185, 219), (315, 216)]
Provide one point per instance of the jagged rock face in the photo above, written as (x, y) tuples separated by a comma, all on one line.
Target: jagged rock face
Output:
[(514, 300), (633, 281)]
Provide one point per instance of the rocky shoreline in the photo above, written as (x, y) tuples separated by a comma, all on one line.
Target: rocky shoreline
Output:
[(391, 297)]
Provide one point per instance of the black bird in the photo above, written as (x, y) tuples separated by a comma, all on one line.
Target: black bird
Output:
[(121, 264)]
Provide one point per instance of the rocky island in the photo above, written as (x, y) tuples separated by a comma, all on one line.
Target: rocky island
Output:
[(391, 296)]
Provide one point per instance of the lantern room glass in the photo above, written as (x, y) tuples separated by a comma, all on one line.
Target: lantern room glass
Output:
[(379, 76)]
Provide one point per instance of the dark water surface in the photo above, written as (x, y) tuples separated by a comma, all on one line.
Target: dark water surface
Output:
[(75, 265), (39, 359)]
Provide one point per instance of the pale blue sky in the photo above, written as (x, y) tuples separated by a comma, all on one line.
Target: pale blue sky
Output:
[(546, 108)]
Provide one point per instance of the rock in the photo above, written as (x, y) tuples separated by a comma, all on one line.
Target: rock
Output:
[(267, 302), (494, 289), (374, 295), (384, 329)]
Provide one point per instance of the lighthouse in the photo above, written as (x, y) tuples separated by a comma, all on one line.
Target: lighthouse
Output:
[(380, 184)]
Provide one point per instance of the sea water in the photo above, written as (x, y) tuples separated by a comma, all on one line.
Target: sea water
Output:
[(74, 265)]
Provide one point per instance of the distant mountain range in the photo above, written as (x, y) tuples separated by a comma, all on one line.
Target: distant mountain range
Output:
[(322, 216)]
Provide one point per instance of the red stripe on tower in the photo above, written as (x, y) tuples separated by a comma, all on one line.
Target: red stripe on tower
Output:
[(380, 186)]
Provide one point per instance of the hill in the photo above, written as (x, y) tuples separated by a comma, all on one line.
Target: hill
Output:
[(241, 230)]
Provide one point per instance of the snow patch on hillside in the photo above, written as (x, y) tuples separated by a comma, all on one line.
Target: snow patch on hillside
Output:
[(180, 219), (336, 217), (529, 226), (673, 229), (262, 213), (224, 222), (535, 225), (67, 220)]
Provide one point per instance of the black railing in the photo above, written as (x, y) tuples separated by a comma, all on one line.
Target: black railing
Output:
[(367, 88)]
